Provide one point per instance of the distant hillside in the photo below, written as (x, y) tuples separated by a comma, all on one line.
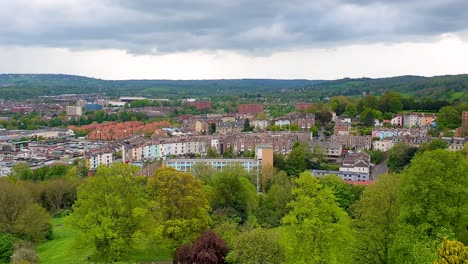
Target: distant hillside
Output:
[(449, 87), (22, 86), (16, 86)]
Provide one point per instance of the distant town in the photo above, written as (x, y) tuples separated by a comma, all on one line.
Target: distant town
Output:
[(151, 133)]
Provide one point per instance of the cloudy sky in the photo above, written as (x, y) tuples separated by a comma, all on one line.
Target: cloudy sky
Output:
[(206, 39)]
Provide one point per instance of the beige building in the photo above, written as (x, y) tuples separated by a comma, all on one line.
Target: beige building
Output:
[(74, 110), (201, 126), (383, 145)]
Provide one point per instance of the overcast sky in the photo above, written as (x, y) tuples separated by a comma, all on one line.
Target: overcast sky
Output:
[(207, 39)]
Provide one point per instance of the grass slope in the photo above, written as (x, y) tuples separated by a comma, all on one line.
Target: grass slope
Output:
[(62, 249)]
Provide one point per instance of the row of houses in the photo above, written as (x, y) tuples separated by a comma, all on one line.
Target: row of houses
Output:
[(399, 132), (413, 120), (281, 142), (454, 144)]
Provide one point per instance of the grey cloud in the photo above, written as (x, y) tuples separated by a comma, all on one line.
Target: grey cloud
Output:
[(163, 26)]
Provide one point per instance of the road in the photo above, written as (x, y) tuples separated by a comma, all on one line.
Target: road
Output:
[(380, 169)]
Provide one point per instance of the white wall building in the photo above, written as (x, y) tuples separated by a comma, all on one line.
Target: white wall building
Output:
[(100, 159)]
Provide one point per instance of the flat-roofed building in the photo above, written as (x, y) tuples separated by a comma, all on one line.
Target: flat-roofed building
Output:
[(74, 110)]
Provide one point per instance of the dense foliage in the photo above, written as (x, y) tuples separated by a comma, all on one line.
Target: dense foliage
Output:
[(417, 216)]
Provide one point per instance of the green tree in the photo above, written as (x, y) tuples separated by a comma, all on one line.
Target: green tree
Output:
[(376, 220), (229, 153), (21, 171), (433, 145), (273, 203), (258, 246), (211, 153), (7, 246), (351, 110), (368, 117), (345, 193), (448, 117), (338, 104), (110, 211), (297, 160), (203, 172), (234, 196), (59, 194), (391, 102), (317, 229), (247, 126), (400, 156), (20, 215), (434, 193), (377, 156), (180, 205), (370, 101)]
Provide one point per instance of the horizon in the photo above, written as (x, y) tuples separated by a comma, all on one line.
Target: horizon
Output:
[(249, 78)]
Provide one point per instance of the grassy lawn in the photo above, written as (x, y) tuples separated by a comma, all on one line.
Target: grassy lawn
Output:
[(62, 249)]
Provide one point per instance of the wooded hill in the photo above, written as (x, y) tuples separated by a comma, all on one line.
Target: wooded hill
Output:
[(23, 86)]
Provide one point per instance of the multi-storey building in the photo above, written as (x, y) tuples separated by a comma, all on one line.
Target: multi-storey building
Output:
[(74, 110), (99, 159), (342, 129), (356, 162), (383, 145), (359, 142), (410, 120), (259, 124)]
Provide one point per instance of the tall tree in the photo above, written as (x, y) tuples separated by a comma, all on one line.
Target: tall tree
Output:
[(180, 205), (433, 204), (273, 203), (247, 126), (346, 194), (318, 230), (297, 160), (351, 110), (376, 220), (234, 195), (370, 101), (448, 117), (434, 193), (110, 211), (20, 215), (391, 102), (338, 104)]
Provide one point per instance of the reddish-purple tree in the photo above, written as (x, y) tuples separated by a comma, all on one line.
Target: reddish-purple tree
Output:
[(207, 249), (183, 255)]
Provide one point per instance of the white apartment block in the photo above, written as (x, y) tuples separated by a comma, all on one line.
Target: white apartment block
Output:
[(100, 159)]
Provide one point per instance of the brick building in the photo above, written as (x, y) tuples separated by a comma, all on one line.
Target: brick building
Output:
[(199, 105), (250, 108), (303, 106)]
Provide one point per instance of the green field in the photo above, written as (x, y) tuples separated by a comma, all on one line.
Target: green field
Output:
[(62, 249)]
